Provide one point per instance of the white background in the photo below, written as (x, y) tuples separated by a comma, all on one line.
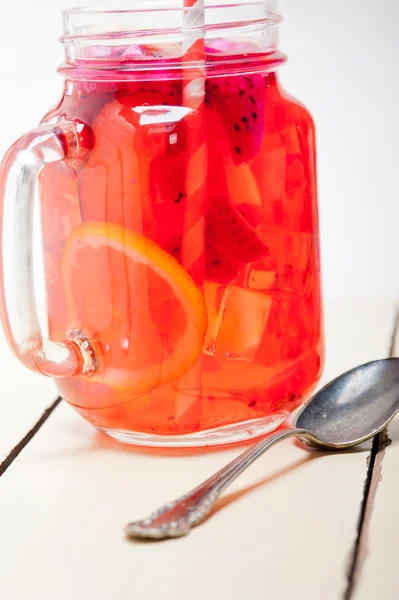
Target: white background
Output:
[(343, 64)]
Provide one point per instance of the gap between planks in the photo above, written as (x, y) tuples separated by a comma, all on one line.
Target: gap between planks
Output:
[(373, 477), (16, 451)]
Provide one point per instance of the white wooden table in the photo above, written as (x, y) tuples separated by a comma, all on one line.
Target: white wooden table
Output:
[(296, 525)]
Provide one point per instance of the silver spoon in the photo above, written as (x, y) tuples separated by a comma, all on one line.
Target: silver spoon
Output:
[(348, 411)]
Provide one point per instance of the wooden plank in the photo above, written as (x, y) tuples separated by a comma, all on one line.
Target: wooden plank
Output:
[(284, 530), (378, 574), (24, 397)]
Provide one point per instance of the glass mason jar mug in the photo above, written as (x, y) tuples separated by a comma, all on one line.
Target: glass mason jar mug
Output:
[(167, 270)]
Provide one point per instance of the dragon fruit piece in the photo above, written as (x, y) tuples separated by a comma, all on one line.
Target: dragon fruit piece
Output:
[(230, 234), (240, 100), (221, 46), (126, 52), (131, 51), (220, 270)]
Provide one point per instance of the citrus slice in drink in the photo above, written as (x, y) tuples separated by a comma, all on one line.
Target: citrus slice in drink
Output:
[(143, 312)]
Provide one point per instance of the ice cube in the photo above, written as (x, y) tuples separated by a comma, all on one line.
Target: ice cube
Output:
[(270, 346), (237, 319), (295, 175), (269, 170), (272, 174), (215, 299), (290, 139), (289, 260), (260, 279)]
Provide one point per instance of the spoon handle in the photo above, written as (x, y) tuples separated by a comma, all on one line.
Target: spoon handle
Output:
[(176, 518)]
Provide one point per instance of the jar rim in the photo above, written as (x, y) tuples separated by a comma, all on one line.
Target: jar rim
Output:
[(115, 36), (270, 6), (165, 16)]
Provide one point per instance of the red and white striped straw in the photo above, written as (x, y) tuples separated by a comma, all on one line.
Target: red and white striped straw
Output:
[(194, 98), (194, 52), (188, 406)]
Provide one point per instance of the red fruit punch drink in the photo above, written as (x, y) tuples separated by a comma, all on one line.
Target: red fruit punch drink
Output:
[(184, 244)]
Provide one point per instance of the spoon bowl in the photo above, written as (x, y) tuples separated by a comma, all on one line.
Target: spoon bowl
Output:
[(354, 407), (348, 411)]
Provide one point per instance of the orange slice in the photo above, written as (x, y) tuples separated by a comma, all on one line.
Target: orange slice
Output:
[(144, 313)]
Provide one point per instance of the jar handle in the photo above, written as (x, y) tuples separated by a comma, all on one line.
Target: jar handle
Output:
[(19, 202)]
